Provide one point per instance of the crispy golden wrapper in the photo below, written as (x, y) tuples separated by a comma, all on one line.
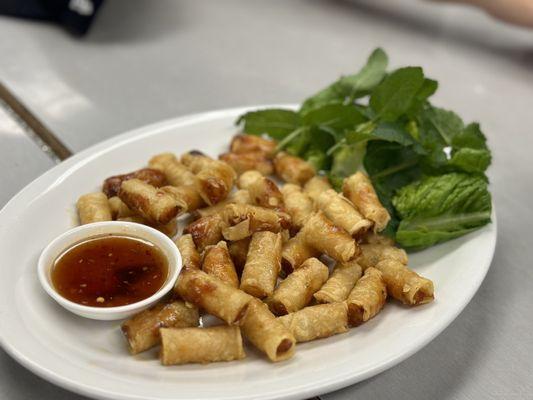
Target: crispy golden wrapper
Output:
[(217, 262), (186, 196), (267, 333), (214, 296), (293, 169), (149, 202), (263, 263), (317, 322), (297, 290), (189, 255), (254, 160), (176, 173), (298, 204), (206, 231), (142, 330), (367, 298), (295, 252), (323, 235), (404, 284), (342, 213), (238, 197), (119, 209), (169, 229), (239, 251), (151, 176), (316, 186), (93, 207), (376, 238), (371, 254), (250, 143), (359, 190), (243, 220), (201, 345), (263, 191), (340, 283)]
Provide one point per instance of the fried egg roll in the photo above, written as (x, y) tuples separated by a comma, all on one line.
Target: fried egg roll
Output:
[(142, 330), (298, 204), (295, 252), (169, 229), (315, 322), (340, 283), (263, 191), (404, 284), (342, 213), (93, 207), (151, 203), (206, 231), (239, 251), (315, 186), (175, 172), (238, 197), (151, 176), (367, 298), (249, 143), (218, 263), (254, 160), (214, 296), (189, 254), (293, 169), (323, 235), (186, 196), (243, 220), (371, 254), (263, 263), (376, 238), (267, 333), (201, 345), (119, 209), (359, 190), (296, 291)]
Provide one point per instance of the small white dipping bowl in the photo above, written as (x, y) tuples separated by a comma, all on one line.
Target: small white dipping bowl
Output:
[(84, 232)]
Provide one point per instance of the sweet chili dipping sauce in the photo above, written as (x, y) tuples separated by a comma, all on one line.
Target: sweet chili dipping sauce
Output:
[(110, 271)]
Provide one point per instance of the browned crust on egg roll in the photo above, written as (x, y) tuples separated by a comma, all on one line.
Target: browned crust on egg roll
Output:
[(298, 204), (243, 220), (238, 251), (189, 254), (293, 169), (315, 186), (93, 207), (296, 291), (244, 143), (186, 196), (238, 197), (201, 345), (206, 231), (176, 173), (367, 298), (295, 252), (151, 176), (371, 254), (218, 263), (254, 160), (340, 283)]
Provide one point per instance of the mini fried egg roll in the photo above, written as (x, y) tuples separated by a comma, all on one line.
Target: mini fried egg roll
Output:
[(186, 196), (263, 191), (214, 296), (298, 204), (340, 283), (176, 173), (315, 186), (151, 176), (296, 291), (359, 190), (119, 209), (367, 298), (254, 160), (293, 169), (342, 213), (263, 263), (249, 143), (149, 202), (267, 333), (142, 330), (243, 220), (169, 229), (404, 284), (323, 235), (371, 254), (238, 197), (376, 238), (315, 322), (239, 251), (218, 263), (189, 255), (201, 345), (93, 207), (206, 231), (295, 252)]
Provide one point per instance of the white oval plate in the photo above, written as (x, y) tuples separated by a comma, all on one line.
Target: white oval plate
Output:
[(90, 357)]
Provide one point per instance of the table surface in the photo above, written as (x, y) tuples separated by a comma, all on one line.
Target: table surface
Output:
[(147, 61)]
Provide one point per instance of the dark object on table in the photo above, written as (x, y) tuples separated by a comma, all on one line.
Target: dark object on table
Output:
[(74, 15)]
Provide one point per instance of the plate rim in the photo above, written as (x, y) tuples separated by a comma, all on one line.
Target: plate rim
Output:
[(313, 389)]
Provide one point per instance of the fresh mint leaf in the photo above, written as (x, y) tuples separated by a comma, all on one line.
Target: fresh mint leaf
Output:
[(390, 132), (347, 159), (439, 126), (440, 208), (470, 160), (471, 136), (351, 87), (395, 95), (429, 87), (277, 123), (336, 116)]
